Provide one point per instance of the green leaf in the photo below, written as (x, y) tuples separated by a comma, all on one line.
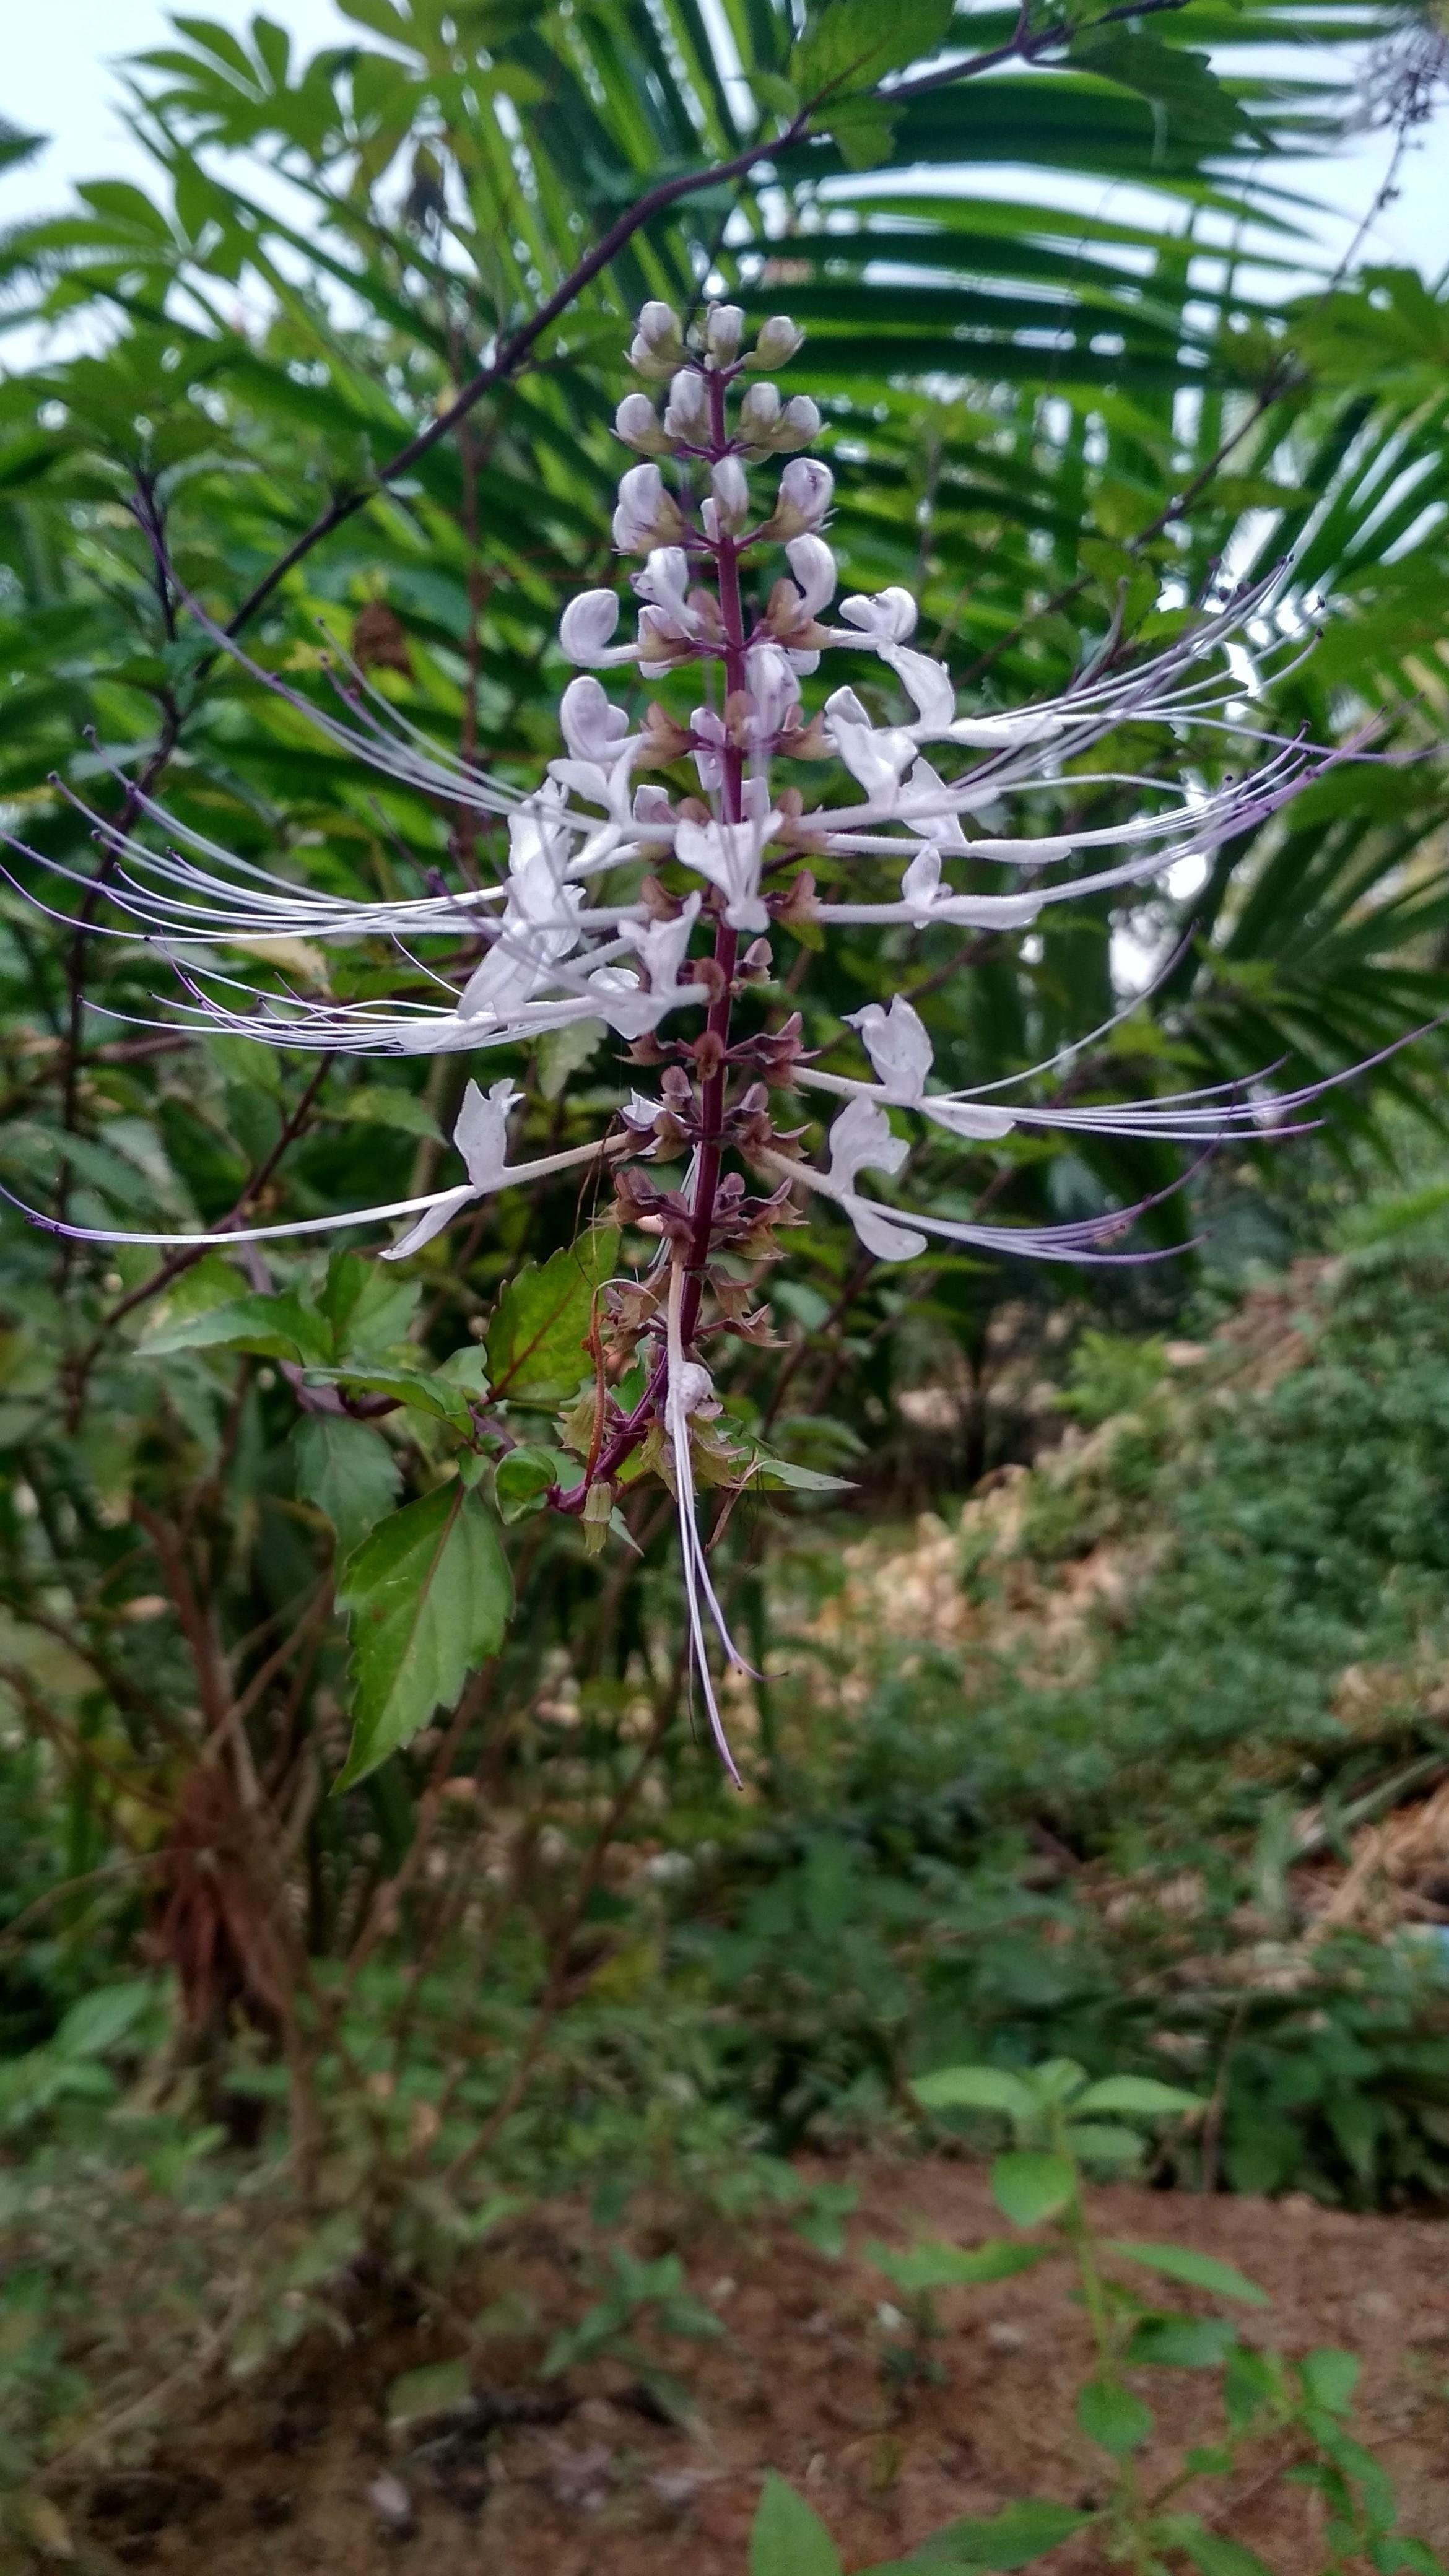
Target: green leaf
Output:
[(787, 2536), (436, 2388), (975, 2088), (524, 1476), (849, 44), (1196, 2271), (466, 1367), (1096, 2142), (864, 131), (1113, 2417), (536, 1339), (1136, 2097), (1181, 85), (432, 1393), (348, 1471), (368, 1306), (783, 1474), (1213, 2554), (272, 1328), (1181, 2343), (935, 2266), (377, 1104), (1330, 2379), (1013, 2538), (98, 2021), (427, 1596), (1029, 2186)]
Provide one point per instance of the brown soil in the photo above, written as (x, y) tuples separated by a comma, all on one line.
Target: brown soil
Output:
[(300, 2471)]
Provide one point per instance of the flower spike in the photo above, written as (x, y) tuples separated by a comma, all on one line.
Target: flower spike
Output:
[(622, 901)]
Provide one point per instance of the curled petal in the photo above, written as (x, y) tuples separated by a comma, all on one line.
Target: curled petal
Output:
[(586, 626), (888, 618)]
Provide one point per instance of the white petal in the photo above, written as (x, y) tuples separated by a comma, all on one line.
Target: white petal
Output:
[(429, 1225)]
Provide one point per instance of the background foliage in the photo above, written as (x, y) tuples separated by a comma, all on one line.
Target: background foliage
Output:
[(490, 1960)]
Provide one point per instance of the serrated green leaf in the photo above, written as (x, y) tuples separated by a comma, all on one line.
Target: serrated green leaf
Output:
[(367, 1305), (432, 1393), (348, 1471), (1196, 2271), (273, 1328), (427, 1597), (536, 1339), (787, 2536), (850, 44)]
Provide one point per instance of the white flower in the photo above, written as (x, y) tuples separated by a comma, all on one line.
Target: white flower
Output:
[(686, 414), (592, 726), (724, 326), (759, 414), (658, 344), (922, 893), (663, 947), (774, 694), (778, 341), (875, 755), (647, 515), (862, 1140), (481, 1136), (897, 1045), (888, 618), (800, 420), (728, 856), (813, 566), (637, 424), (538, 928), (710, 739), (929, 683), (806, 490), (586, 626), (731, 490)]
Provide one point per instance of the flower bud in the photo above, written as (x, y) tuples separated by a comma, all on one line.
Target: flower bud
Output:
[(778, 341), (686, 414), (731, 494), (760, 414), (806, 489), (813, 566), (657, 346), (647, 515), (636, 424), (724, 326), (586, 626), (799, 422)]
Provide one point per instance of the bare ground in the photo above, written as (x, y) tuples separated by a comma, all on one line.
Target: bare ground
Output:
[(300, 2471)]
